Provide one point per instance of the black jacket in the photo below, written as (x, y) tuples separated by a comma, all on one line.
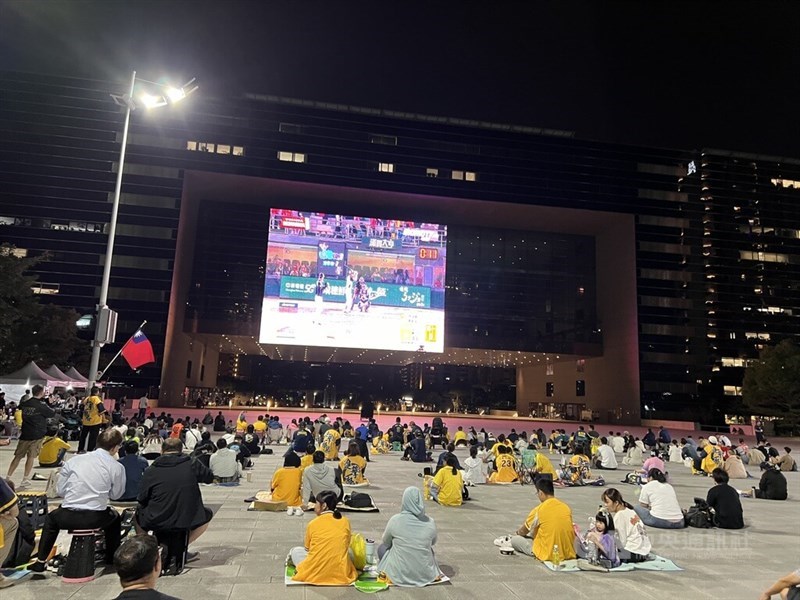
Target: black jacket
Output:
[(169, 494), (773, 485), (35, 413)]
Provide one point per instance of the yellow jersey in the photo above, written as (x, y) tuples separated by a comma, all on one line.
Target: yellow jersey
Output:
[(543, 465), (460, 436), (286, 484), (449, 485), (552, 520), (91, 411), (50, 447), (353, 470), (259, 426), (506, 469)]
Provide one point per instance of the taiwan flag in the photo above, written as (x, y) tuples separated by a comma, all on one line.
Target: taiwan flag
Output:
[(138, 351)]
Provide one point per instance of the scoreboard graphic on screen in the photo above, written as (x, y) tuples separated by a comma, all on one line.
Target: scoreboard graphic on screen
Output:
[(354, 282)]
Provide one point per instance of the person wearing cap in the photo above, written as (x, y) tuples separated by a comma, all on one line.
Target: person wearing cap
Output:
[(713, 458)]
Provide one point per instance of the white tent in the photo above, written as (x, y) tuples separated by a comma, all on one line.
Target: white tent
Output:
[(58, 377), (75, 376), (14, 384)]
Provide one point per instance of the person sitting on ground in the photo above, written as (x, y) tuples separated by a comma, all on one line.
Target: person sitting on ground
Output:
[(406, 552), (135, 467), (169, 495), (713, 456), (473, 468), (416, 450), (353, 466), (599, 544), (177, 431), (138, 565), (448, 484), (734, 467), (224, 465), (506, 465), (330, 443), (634, 456), (286, 483), (649, 439), (578, 467), (548, 525), (320, 476), (633, 544), (604, 456), (151, 447), (208, 419), (451, 448), (260, 429), (53, 451), (308, 458), (724, 500), (786, 461), (242, 451), (251, 440), (772, 485), (193, 435), (653, 462), (658, 504), (617, 443), (460, 437), (205, 445), (219, 422), (87, 482), (324, 558), (302, 439), (675, 454), (241, 422), (788, 587), (274, 430)]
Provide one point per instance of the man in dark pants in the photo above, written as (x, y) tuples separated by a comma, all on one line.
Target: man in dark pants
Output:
[(94, 414), (86, 483)]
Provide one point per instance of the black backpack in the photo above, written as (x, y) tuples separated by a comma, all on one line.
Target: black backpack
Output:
[(358, 500), (699, 515)]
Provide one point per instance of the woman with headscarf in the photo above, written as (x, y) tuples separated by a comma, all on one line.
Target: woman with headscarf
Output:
[(406, 554)]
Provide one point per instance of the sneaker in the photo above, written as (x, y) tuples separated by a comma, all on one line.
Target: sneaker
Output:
[(290, 511), (37, 566), (24, 484), (298, 511), (192, 556), (585, 565), (507, 550), (503, 541), (38, 477)]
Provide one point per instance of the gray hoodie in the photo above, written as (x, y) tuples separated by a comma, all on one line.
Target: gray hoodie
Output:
[(318, 477)]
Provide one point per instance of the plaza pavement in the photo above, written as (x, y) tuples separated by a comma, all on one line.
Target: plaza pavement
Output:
[(242, 554)]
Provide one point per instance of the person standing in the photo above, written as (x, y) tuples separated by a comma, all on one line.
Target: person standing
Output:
[(142, 408), (86, 483), (94, 414), (319, 290), (35, 413)]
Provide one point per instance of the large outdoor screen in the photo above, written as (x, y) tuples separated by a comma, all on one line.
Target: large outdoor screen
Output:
[(354, 282)]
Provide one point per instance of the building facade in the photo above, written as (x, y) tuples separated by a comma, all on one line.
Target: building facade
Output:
[(664, 270)]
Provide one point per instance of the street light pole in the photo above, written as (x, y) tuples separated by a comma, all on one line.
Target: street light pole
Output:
[(94, 365)]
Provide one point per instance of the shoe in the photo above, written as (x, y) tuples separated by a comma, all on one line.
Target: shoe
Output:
[(37, 566), (290, 511), (24, 484), (38, 477), (507, 550), (298, 511), (585, 565), (192, 556), (503, 541)]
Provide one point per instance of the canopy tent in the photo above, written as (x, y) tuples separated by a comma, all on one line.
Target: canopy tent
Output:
[(14, 384), (58, 378), (74, 375)]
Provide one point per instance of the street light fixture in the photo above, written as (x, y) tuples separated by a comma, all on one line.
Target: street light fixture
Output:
[(106, 319)]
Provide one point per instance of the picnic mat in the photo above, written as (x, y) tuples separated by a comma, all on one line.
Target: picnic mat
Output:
[(364, 583), (16, 575), (657, 563)]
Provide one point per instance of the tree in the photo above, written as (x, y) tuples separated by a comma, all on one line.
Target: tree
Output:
[(772, 385), (30, 330)]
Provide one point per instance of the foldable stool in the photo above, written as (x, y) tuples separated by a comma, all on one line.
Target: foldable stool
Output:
[(79, 567), (35, 506), (175, 544)]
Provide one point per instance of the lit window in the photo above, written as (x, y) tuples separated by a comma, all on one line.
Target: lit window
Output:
[(752, 335), (191, 145), (223, 149), (291, 156), (238, 150), (386, 167), (732, 390), (458, 175), (470, 176), (47, 289), (432, 172), (205, 147), (732, 362)]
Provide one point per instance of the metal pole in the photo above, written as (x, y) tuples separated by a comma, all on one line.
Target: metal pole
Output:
[(112, 229)]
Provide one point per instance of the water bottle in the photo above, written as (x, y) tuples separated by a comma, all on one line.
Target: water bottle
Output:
[(556, 558)]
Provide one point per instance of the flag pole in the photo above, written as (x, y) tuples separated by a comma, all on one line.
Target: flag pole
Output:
[(116, 356)]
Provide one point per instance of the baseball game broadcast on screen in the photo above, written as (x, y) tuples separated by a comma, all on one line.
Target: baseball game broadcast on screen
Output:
[(354, 282)]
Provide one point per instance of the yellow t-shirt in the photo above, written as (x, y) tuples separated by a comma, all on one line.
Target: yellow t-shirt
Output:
[(329, 445), (50, 447), (241, 425), (506, 469), (449, 485), (328, 562), (259, 426), (286, 484), (306, 461), (554, 521), (459, 436), (543, 465), (91, 413), (353, 469)]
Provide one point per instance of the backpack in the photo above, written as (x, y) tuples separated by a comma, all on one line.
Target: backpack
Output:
[(358, 500), (699, 515)]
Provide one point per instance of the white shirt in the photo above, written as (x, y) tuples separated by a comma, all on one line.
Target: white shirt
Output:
[(662, 501), (607, 458), (223, 463), (675, 454), (143, 402), (618, 443), (87, 481), (229, 437), (631, 533), (148, 422), (473, 470), (192, 438)]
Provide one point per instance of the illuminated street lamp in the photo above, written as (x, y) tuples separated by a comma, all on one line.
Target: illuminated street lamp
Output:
[(106, 318)]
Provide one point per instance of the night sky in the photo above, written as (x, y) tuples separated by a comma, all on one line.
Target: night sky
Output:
[(674, 74)]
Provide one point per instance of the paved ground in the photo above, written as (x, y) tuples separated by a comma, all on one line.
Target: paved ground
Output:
[(243, 552)]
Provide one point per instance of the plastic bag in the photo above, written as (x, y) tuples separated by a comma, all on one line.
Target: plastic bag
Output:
[(358, 550)]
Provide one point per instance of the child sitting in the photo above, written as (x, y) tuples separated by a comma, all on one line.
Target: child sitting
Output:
[(598, 546)]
